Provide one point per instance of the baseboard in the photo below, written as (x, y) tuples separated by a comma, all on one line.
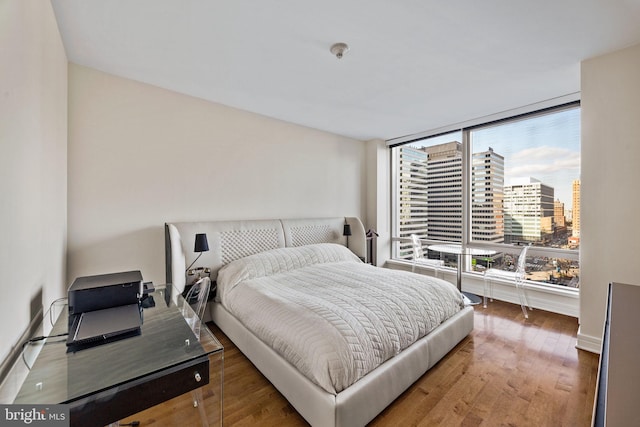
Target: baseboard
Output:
[(589, 343), (9, 362)]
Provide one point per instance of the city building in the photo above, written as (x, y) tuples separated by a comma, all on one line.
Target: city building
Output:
[(527, 204), (412, 167), (558, 214), (444, 195), (487, 192), (431, 193), (576, 208)]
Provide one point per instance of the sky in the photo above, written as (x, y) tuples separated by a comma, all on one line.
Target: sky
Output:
[(545, 147)]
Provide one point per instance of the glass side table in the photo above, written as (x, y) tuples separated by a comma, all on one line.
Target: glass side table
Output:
[(452, 248), (111, 381)]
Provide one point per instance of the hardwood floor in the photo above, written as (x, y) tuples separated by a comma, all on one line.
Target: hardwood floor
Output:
[(508, 372)]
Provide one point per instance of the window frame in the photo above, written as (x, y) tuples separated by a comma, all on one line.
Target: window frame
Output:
[(465, 129)]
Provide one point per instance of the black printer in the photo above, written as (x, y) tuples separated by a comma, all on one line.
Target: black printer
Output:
[(104, 306)]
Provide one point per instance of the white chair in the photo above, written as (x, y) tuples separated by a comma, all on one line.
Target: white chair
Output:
[(422, 261), (517, 277), (196, 302)]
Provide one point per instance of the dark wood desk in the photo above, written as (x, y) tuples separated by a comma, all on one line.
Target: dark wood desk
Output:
[(108, 382)]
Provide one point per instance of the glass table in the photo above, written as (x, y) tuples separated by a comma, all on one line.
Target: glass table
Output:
[(450, 248), (110, 381)]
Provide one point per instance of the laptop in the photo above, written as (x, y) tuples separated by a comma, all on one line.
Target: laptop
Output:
[(93, 327)]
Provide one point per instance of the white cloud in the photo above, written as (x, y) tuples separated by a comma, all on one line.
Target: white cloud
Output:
[(541, 161)]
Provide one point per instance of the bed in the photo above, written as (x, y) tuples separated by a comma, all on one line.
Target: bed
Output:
[(328, 348)]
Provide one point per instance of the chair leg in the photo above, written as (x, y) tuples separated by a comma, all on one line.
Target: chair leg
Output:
[(523, 298), (484, 293), (488, 284), (524, 311), (526, 298)]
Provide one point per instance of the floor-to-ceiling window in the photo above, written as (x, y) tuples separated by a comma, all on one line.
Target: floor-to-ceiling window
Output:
[(497, 185)]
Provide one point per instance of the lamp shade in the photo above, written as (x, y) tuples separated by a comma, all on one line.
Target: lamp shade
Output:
[(347, 230), (202, 245)]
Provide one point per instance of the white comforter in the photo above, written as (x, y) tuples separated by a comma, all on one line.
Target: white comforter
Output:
[(330, 315)]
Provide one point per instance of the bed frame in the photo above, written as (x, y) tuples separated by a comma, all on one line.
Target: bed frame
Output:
[(362, 401)]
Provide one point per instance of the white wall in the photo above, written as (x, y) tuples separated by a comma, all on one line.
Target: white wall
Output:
[(33, 163), (140, 156), (610, 201), (378, 197)]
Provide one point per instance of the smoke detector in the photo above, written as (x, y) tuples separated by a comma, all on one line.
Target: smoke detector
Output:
[(339, 49)]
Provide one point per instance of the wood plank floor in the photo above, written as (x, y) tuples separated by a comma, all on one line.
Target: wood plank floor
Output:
[(508, 372)]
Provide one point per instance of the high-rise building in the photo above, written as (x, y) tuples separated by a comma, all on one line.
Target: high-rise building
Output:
[(527, 202), (430, 193), (576, 208), (444, 191), (487, 192), (412, 191), (558, 213)]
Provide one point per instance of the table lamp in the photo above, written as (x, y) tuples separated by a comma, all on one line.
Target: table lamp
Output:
[(201, 245), (346, 231)]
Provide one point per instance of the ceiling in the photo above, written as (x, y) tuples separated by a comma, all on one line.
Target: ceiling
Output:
[(413, 65)]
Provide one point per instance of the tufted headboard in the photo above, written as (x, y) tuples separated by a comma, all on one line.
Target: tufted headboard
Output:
[(230, 240)]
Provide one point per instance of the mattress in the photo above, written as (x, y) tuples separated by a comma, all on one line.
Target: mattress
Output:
[(328, 314)]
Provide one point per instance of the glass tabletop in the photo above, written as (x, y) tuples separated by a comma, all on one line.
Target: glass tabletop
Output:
[(62, 375), (451, 248)]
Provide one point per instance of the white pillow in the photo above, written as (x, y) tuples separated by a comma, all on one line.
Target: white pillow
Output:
[(280, 260)]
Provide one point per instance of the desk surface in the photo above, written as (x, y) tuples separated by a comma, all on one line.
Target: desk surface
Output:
[(165, 343)]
